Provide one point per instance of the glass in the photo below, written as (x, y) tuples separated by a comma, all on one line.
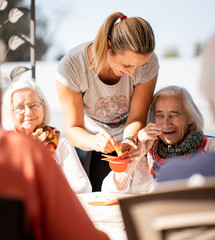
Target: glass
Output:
[(20, 109)]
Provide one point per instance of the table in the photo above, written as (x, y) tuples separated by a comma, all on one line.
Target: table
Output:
[(106, 218)]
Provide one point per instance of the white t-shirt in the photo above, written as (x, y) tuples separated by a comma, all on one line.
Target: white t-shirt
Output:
[(106, 106), (67, 158)]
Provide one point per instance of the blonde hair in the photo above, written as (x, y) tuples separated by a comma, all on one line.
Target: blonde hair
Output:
[(190, 107), (133, 34)]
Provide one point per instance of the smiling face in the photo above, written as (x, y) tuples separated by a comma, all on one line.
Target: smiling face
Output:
[(30, 119), (127, 62), (170, 115)]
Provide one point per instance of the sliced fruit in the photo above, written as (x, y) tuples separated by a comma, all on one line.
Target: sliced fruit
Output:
[(118, 149), (106, 203)]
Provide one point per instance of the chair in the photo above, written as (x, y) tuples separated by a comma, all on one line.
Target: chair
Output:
[(174, 211), (12, 219)]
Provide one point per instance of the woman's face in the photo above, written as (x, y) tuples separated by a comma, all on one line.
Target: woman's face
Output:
[(127, 62), (170, 115), (28, 111)]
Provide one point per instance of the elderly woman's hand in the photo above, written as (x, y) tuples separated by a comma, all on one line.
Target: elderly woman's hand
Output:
[(129, 144), (147, 136)]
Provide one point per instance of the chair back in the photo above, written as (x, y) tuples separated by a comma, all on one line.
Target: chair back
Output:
[(12, 219), (174, 211)]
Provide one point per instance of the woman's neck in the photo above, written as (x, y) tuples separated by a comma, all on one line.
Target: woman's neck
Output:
[(106, 75)]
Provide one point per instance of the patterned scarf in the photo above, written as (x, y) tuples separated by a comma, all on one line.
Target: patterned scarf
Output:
[(195, 141), (48, 135)]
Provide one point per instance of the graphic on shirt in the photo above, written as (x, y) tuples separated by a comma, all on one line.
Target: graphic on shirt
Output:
[(111, 112)]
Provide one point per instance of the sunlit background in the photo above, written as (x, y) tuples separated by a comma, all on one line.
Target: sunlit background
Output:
[(179, 25), (181, 28)]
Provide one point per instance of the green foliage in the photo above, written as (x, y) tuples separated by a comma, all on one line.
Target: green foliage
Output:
[(198, 49), (170, 53), (22, 26)]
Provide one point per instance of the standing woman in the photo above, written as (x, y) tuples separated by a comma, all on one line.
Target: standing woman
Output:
[(105, 88)]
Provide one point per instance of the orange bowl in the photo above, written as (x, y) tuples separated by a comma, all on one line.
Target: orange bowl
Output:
[(118, 167)]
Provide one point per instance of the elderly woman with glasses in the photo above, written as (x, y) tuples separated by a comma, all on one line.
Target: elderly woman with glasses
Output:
[(24, 108), (175, 129)]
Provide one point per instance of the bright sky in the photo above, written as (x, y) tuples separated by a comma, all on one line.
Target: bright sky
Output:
[(177, 24)]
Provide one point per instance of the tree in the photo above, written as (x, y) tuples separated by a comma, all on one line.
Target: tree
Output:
[(198, 49), (23, 27), (171, 52)]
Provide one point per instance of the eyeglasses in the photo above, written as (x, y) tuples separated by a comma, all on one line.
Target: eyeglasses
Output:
[(32, 106)]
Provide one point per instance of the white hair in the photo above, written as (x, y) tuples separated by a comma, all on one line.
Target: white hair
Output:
[(7, 120), (190, 107), (207, 79)]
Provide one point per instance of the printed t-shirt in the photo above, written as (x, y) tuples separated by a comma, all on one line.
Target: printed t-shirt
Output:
[(105, 106)]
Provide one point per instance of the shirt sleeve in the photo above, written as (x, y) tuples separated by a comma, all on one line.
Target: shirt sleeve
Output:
[(73, 69), (148, 71), (72, 167), (67, 73)]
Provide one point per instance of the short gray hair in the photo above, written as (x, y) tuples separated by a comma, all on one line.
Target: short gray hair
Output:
[(190, 107), (7, 120)]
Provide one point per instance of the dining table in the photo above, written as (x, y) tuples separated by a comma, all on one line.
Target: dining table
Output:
[(104, 211)]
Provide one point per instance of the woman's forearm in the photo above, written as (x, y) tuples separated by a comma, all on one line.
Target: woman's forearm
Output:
[(132, 129), (81, 138), (140, 103)]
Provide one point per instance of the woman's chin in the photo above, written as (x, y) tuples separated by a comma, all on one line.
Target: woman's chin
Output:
[(29, 132), (121, 73), (28, 129), (169, 141)]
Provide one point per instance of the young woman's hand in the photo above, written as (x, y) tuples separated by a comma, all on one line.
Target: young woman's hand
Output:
[(104, 142)]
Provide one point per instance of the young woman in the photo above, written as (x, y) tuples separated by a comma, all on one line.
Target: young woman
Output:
[(105, 88)]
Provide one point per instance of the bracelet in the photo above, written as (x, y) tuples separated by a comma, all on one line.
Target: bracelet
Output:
[(131, 139)]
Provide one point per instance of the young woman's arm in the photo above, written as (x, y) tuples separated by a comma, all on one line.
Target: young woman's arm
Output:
[(140, 103), (73, 111)]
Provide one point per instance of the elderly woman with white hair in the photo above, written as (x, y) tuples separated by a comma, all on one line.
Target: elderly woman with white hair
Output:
[(25, 108), (201, 164), (175, 129)]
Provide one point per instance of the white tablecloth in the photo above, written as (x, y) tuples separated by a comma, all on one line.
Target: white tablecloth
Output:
[(106, 218)]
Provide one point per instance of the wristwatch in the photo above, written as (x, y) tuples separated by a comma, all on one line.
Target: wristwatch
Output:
[(130, 138)]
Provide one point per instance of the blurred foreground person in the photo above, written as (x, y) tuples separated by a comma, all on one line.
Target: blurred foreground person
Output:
[(28, 172), (203, 164)]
